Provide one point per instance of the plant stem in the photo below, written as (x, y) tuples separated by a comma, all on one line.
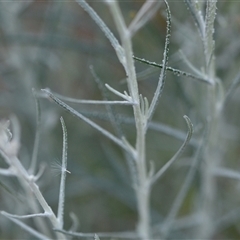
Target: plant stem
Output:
[(209, 185), (211, 162), (29, 182), (142, 189), (213, 100)]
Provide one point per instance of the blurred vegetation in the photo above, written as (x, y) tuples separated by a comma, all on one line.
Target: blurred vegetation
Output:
[(51, 44)]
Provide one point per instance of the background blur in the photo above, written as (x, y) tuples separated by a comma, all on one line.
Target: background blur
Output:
[(51, 44)]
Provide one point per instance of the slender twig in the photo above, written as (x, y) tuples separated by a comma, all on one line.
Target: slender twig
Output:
[(142, 192), (147, 11), (112, 115), (95, 102), (119, 235), (25, 216), (193, 68), (64, 170), (232, 88), (162, 76), (197, 15), (177, 154), (105, 29), (124, 96), (87, 120), (173, 70), (26, 227), (32, 168), (22, 174), (168, 224), (227, 173)]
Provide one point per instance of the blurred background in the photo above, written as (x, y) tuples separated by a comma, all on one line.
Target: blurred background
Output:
[(52, 44)]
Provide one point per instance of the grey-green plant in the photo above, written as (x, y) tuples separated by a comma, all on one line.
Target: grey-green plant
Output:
[(206, 163)]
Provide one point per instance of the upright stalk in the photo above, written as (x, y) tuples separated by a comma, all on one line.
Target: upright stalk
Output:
[(210, 161), (142, 189), (208, 189)]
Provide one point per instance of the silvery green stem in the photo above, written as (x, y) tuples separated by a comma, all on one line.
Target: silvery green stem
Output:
[(32, 168), (60, 213), (26, 179), (211, 157), (9, 153), (142, 189), (26, 227)]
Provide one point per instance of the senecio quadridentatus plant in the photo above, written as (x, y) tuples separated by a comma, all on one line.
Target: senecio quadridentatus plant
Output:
[(143, 172)]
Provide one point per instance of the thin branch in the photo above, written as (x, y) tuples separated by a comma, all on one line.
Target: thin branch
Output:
[(228, 173), (87, 120), (209, 43), (234, 85), (26, 227), (97, 102), (147, 11), (75, 222), (112, 115), (6, 172), (124, 96), (193, 68), (40, 172), (168, 224), (25, 216), (125, 37), (32, 168), (105, 29), (173, 70), (162, 77), (119, 235), (60, 213), (197, 15), (177, 154), (173, 132)]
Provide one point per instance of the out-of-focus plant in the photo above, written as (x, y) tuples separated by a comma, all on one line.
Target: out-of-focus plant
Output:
[(191, 203)]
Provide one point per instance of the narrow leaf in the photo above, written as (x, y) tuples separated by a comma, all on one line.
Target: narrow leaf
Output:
[(177, 154), (119, 235), (173, 70), (161, 81), (209, 30), (60, 213), (105, 29), (228, 173), (26, 227), (195, 10), (171, 217), (32, 168), (24, 216), (147, 11), (95, 102), (87, 120), (234, 85)]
